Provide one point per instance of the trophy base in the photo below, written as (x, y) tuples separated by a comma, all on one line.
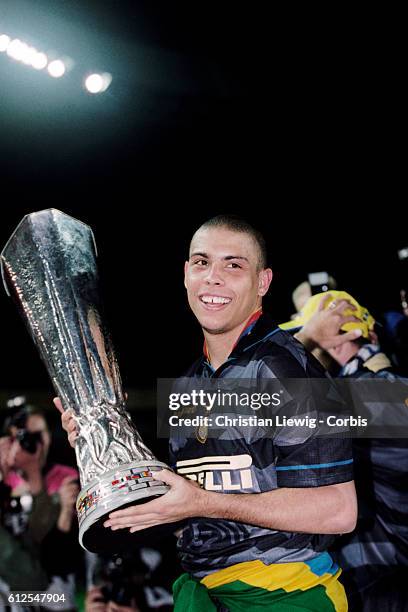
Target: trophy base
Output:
[(125, 485)]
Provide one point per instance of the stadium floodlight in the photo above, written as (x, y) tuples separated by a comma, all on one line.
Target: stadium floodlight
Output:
[(39, 61), (28, 55), (97, 83), (56, 68), (16, 49), (403, 254), (4, 42), (21, 51)]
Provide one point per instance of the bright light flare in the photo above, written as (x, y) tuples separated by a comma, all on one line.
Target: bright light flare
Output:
[(56, 68), (20, 51), (97, 83), (39, 61), (16, 49), (28, 55), (4, 42)]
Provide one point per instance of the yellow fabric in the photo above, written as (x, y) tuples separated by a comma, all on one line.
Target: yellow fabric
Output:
[(377, 362), (365, 324), (287, 576)]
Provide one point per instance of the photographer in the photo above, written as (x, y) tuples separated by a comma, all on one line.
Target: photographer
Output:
[(20, 568), (113, 586), (95, 602), (140, 580), (44, 497)]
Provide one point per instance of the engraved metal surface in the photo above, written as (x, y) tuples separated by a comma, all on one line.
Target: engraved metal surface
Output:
[(49, 268)]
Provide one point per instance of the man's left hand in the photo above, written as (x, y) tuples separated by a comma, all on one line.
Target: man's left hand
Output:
[(323, 329), (183, 500)]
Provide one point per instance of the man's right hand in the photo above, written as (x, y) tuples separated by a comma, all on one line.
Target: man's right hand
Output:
[(67, 421)]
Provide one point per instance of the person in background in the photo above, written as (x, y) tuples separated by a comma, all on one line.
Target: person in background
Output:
[(375, 556), (304, 291), (32, 476), (139, 580), (393, 334), (20, 567)]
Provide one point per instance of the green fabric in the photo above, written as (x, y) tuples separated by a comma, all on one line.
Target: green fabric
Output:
[(192, 596), (19, 565), (43, 516)]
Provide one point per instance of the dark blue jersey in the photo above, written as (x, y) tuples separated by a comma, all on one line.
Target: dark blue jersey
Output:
[(240, 463)]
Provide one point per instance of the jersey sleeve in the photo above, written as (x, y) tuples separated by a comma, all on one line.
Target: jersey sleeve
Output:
[(316, 462), (307, 456)]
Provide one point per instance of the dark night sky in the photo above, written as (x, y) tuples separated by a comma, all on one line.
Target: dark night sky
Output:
[(211, 109)]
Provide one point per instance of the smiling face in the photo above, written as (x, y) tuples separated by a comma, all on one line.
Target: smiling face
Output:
[(222, 277)]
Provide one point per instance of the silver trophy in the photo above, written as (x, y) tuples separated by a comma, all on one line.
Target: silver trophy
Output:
[(49, 268)]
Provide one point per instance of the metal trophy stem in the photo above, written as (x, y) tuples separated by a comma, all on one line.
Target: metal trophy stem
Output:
[(49, 268)]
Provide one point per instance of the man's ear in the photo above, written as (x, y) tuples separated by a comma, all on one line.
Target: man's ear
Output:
[(185, 272), (264, 281)]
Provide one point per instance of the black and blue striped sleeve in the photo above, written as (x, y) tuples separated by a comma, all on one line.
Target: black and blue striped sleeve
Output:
[(316, 462)]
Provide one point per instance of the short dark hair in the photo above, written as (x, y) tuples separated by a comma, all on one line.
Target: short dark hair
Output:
[(239, 225), (19, 416)]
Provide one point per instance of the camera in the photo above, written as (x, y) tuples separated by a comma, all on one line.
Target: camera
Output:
[(18, 413), (28, 440), (119, 577), (14, 511), (319, 282), (121, 594)]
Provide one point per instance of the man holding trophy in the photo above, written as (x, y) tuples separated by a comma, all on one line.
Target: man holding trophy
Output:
[(263, 546)]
